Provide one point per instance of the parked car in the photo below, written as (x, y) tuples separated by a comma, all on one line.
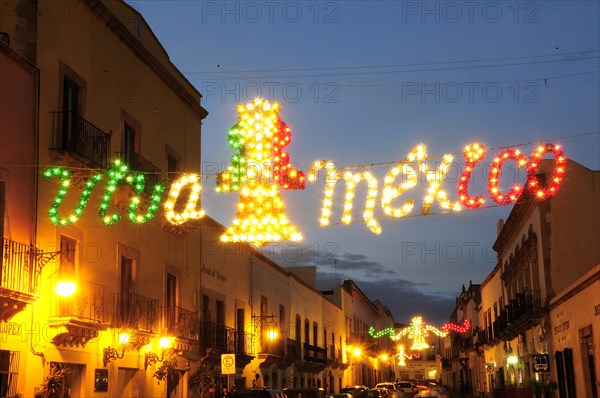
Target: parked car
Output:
[(423, 393), (256, 393), (303, 392), (380, 393), (357, 391), (406, 388), (391, 387), (342, 395), (439, 392)]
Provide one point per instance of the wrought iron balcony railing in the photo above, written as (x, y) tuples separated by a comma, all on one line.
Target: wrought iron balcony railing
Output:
[(74, 134), (20, 271), (293, 349), (180, 322), (134, 311), (334, 353), (88, 303), (313, 353), (224, 338)]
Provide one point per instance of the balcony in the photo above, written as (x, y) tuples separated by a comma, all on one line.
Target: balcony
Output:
[(313, 353), (216, 339), (519, 314), (19, 276), (334, 356), (225, 339), (79, 141), (80, 317), (293, 349), (135, 312), (180, 323)]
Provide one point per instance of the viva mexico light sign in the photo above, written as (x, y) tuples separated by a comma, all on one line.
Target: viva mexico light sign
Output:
[(260, 166)]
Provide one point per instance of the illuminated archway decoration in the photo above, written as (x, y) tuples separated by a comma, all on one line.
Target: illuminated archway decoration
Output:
[(259, 166), (418, 331)]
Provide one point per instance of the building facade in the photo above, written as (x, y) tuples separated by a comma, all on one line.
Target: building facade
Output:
[(539, 306)]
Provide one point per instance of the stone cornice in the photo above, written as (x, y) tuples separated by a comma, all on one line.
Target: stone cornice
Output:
[(121, 31)]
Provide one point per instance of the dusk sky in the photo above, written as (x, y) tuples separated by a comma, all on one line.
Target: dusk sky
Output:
[(364, 82)]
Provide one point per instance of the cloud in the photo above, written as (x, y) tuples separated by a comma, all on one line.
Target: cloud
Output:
[(403, 297)]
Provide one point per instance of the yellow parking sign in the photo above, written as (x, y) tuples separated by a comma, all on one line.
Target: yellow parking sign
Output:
[(228, 364)]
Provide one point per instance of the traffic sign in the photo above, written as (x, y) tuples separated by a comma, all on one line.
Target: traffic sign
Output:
[(540, 363), (228, 364)]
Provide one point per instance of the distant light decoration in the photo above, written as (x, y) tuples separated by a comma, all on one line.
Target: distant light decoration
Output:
[(119, 173), (389, 331), (473, 154), (557, 175), (402, 355), (451, 327), (494, 177), (418, 331), (259, 138), (191, 210)]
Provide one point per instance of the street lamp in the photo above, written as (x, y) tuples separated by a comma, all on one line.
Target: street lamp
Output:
[(164, 343), (65, 288)]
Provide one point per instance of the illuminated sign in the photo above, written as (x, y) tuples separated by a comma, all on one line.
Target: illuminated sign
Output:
[(260, 167)]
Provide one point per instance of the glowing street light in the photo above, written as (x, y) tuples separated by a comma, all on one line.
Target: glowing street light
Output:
[(65, 288)]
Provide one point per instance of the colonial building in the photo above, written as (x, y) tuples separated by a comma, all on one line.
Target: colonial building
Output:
[(117, 290), (539, 306), (99, 294)]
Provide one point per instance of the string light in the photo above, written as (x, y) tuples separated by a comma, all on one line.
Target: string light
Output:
[(258, 138), (451, 327), (118, 173), (473, 154), (332, 178), (435, 192), (494, 177), (191, 211), (389, 331), (352, 180), (557, 175), (418, 331), (260, 166), (65, 182), (390, 193)]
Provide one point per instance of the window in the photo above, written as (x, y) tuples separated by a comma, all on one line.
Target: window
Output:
[(9, 370), (306, 332), (315, 333), (128, 142), (173, 161), (67, 258), (281, 319), (126, 291), (171, 300)]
